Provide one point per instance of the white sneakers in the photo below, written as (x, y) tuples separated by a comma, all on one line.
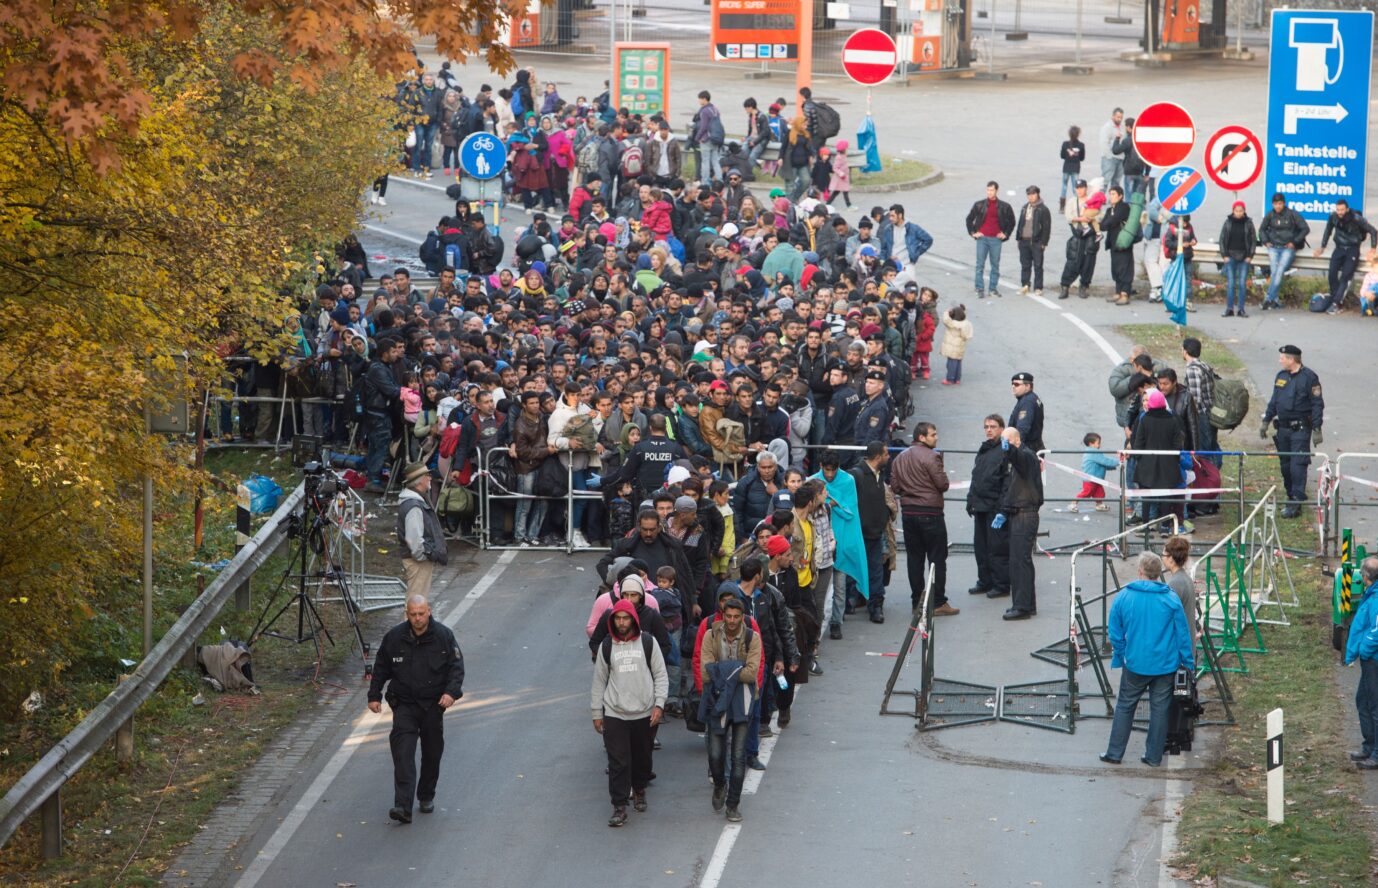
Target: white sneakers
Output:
[(1024, 290), (377, 199), (579, 541)]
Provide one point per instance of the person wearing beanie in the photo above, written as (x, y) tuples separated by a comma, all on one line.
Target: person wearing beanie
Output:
[(1238, 241)]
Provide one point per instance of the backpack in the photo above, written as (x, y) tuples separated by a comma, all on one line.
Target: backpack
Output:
[(454, 256), (587, 162), (829, 121), (716, 135), (1231, 404), (631, 162), (1318, 302), (552, 479)]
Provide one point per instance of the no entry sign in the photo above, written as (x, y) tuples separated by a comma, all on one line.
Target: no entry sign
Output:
[(1234, 158), (1164, 134), (869, 56)]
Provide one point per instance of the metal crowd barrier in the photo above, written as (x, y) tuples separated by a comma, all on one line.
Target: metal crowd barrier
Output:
[(1331, 503), (491, 492)]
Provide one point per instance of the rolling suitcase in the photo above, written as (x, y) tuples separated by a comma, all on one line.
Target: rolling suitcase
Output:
[(1182, 712)]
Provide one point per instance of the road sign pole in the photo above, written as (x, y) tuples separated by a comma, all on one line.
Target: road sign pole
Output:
[(803, 72)]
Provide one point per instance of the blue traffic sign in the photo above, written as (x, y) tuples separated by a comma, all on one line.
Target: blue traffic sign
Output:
[(1319, 65), (1183, 190), (482, 155)]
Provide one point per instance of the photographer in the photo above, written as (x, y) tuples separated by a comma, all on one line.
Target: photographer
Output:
[(418, 530)]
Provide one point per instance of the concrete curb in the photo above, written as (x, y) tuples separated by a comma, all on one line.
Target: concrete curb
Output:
[(932, 178)]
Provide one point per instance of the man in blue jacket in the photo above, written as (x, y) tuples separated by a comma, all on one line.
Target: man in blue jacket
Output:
[(1151, 640), (902, 241), (1363, 646)]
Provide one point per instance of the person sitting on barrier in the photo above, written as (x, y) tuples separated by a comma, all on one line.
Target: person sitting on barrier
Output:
[(1363, 646), (1151, 640)]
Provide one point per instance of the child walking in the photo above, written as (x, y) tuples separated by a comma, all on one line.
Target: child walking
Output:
[(1094, 463), (957, 332), (840, 184)]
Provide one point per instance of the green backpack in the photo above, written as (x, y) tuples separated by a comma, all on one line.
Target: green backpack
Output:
[(1231, 404)]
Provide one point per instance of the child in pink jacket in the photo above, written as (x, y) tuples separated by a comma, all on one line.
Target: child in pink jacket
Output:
[(841, 181)]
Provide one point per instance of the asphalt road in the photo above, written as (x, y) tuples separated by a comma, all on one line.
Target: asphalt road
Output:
[(848, 794)]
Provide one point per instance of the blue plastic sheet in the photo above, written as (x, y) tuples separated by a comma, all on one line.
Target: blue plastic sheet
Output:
[(866, 142)]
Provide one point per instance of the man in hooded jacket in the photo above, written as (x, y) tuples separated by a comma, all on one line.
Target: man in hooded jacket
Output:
[(628, 699)]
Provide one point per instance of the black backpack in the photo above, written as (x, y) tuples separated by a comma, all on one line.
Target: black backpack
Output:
[(829, 121)]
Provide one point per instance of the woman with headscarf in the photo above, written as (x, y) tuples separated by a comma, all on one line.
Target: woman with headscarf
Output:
[(528, 149), (1157, 429), (796, 156)]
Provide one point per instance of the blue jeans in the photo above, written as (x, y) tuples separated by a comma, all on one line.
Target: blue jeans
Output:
[(529, 512), (1279, 260), (1366, 702), (1069, 181), (718, 744), (1132, 687), (1112, 170), (954, 369), (988, 248), (421, 154), (711, 155), (758, 712), (379, 437), (576, 521), (1236, 274)]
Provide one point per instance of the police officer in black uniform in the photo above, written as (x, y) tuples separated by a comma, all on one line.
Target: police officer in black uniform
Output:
[(420, 663), (650, 459), (1019, 513), (1296, 409), (873, 420), (842, 412), (1027, 415)]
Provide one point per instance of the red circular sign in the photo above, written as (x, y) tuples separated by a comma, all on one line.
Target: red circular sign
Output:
[(1234, 158), (1164, 134), (869, 56)]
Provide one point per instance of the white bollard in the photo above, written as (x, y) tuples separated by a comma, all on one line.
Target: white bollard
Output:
[(1275, 804)]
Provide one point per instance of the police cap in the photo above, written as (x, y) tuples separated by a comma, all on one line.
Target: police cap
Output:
[(876, 373), (1022, 377), (1290, 350)]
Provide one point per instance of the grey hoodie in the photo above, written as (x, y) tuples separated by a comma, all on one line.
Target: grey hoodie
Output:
[(628, 688)]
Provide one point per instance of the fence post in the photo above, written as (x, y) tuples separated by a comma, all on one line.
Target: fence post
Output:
[(1275, 769), (243, 598), (50, 816), (124, 736)]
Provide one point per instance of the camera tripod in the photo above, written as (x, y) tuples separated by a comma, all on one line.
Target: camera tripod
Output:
[(310, 533)]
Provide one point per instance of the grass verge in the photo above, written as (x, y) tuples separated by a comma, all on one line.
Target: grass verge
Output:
[(894, 170), (125, 822), (1224, 832)]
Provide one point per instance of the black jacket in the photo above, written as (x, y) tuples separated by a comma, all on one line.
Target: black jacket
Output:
[(1349, 231), (814, 371), (767, 605), (1024, 493), (752, 502), (1112, 220), (1042, 223), (870, 497), (1003, 212), (1133, 164), (1158, 430), (417, 670), (989, 477), (1281, 229), (1072, 154), (666, 550), (380, 388), (1249, 242)]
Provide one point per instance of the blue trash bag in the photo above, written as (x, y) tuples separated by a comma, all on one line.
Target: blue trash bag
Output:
[(1319, 302), (866, 143), (264, 494)]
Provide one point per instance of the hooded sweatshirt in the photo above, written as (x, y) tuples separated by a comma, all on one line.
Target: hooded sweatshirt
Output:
[(625, 685)]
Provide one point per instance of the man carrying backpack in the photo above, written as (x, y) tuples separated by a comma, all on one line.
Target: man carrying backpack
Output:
[(709, 136), (822, 121), (1200, 382)]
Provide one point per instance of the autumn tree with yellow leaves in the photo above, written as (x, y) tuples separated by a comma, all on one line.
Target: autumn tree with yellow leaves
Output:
[(164, 168)]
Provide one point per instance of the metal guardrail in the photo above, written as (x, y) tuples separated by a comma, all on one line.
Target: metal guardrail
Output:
[(41, 787)]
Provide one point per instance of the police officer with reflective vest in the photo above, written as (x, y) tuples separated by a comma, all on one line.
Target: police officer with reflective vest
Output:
[(1296, 410), (1027, 415), (873, 420), (650, 459), (421, 665)]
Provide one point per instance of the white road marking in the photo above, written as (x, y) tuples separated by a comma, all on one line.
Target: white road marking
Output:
[(416, 183), (365, 723), (1100, 341), (1173, 791)]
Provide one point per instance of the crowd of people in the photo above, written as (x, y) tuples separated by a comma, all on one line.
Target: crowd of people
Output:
[(718, 388)]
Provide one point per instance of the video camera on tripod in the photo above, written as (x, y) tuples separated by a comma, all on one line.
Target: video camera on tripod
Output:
[(321, 482)]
